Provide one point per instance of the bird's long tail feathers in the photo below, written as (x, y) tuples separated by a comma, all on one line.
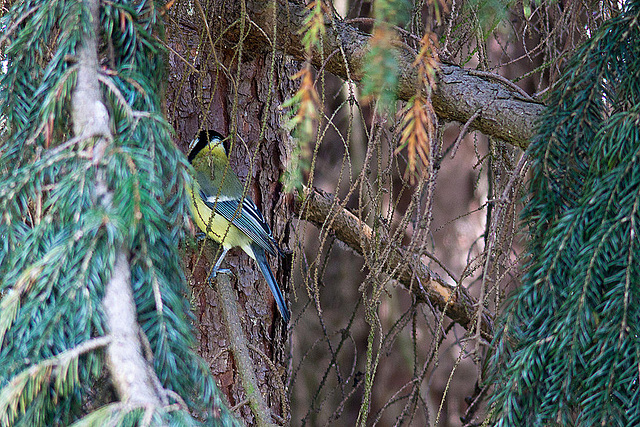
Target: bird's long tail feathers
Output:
[(261, 259)]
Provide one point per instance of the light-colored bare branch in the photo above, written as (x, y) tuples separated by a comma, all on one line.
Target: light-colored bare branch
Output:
[(240, 350), (131, 374), (322, 209)]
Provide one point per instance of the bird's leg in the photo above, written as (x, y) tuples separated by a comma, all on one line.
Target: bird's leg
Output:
[(216, 268)]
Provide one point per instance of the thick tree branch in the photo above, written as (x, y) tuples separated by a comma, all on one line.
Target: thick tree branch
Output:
[(454, 301), (131, 374), (504, 112)]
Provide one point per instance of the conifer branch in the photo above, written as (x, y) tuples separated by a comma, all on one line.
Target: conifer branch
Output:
[(58, 371), (567, 350), (132, 376)]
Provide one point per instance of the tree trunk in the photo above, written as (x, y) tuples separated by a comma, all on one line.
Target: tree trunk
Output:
[(225, 89)]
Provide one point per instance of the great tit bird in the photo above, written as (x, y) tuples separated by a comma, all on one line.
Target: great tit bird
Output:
[(220, 209)]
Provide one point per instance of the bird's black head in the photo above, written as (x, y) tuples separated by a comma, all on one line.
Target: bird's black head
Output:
[(205, 137)]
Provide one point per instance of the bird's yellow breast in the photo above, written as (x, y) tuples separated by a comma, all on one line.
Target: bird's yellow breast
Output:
[(216, 226)]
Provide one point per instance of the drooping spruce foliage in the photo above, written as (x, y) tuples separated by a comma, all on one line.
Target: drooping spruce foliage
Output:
[(569, 350), (58, 245)]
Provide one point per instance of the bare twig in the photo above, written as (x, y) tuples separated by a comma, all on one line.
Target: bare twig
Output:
[(129, 370), (322, 209), (502, 79), (276, 376), (240, 350), (463, 132)]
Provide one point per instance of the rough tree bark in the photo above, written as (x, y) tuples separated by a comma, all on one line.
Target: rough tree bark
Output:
[(228, 89)]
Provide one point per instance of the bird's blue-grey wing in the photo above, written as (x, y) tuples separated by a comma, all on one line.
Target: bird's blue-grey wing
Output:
[(248, 219)]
